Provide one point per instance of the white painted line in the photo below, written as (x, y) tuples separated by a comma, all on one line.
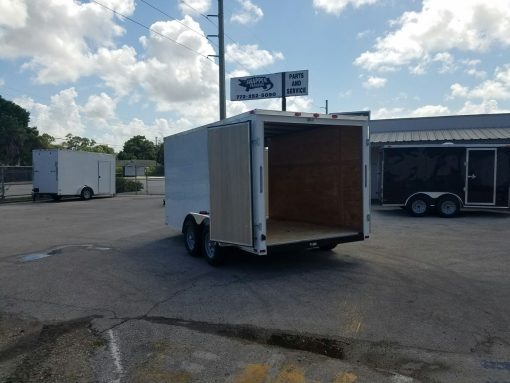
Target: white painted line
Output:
[(114, 350)]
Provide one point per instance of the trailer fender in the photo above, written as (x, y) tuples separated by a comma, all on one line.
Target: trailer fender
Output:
[(198, 218), (433, 197)]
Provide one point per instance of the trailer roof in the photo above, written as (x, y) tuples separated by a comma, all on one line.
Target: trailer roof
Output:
[(447, 145), (277, 119), (442, 135)]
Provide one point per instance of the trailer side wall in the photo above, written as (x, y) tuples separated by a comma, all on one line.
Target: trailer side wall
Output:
[(186, 176), (424, 169)]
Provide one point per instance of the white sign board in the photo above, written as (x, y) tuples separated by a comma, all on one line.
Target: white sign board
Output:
[(269, 86), (256, 87), (296, 83)]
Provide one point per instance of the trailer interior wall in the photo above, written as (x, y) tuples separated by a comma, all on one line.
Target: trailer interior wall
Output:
[(315, 182)]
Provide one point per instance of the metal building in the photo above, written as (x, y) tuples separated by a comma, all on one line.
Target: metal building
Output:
[(465, 129)]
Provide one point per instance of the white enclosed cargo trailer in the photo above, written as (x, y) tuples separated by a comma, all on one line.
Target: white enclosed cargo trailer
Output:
[(264, 180), (61, 172)]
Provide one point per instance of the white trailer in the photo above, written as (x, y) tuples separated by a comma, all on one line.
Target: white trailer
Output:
[(61, 172), (265, 180)]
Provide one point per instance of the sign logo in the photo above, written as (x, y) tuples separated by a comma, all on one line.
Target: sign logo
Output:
[(256, 82), (274, 85)]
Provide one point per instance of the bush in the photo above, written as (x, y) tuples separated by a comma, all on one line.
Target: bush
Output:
[(124, 185)]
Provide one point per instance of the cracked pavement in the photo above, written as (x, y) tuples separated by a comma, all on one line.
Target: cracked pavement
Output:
[(112, 296)]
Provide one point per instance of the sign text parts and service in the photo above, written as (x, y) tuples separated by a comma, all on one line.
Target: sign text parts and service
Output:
[(273, 85)]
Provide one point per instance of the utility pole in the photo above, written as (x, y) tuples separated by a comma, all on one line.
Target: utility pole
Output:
[(326, 107), (221, 58)]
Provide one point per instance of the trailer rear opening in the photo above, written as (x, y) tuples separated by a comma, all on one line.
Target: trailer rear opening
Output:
[(315, 178), (265, 180)]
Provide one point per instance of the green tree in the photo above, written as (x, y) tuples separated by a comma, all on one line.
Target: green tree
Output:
[(138, 148), (85, 144), (17, 139), (160, 154)]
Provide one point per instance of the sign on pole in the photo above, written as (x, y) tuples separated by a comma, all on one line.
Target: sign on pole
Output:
[(296, 83), (274, 85)]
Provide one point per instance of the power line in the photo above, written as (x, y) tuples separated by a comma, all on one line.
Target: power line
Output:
[(198, 12), (207, 17), (175, 19), (152, 30)]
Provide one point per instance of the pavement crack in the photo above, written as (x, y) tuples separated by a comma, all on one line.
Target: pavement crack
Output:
[(64, 305)]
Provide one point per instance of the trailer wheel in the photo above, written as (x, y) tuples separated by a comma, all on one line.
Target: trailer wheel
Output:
[(448, 206), (418, 205), (191, 238), (86, 194), (213, 253)]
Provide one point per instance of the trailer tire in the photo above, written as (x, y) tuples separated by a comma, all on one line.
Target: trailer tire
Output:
[(214, 253), (192, 238), (86, 194), (447, 206), (418, 205)]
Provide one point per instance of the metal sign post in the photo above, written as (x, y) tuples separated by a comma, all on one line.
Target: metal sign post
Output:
[(284, 99)]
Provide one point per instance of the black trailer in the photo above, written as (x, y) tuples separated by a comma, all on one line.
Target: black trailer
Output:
[(446, 177)]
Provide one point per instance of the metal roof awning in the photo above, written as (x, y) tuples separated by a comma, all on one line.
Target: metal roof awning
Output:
[(441, 135)]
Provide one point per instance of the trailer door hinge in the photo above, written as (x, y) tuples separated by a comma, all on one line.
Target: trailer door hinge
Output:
[(258, 226), (368, 142), (255, 142), (368, 217)]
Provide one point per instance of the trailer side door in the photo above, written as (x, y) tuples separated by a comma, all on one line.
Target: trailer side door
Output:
[(104, 177), (231, 214), (481, 176)]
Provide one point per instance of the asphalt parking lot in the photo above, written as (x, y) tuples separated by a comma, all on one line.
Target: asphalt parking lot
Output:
[(102, 291)]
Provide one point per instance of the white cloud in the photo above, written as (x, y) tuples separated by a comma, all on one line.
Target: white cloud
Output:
[(95, 120), (497, 88), (100, 107), (251, 56), (59, 41), (171, 74), (336, 7), (440, 26), (363, 34), (193, 6), (431, 110), (384, 113), (13, 13), (472, 68), (422, 111), (447, 62), (375, 82), (248, 14), (484, 107), (60, 117)]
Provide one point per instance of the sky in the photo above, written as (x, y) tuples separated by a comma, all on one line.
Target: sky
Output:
[(112, 69)]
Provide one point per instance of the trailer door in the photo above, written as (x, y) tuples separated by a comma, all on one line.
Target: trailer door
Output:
[(104, 177), (481, 176), (230, 184)]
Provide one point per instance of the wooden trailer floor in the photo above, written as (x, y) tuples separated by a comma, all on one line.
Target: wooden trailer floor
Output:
[(282, 232)]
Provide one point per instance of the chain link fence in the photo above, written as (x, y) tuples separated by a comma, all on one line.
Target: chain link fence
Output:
[(15, 182), (141, 180)]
